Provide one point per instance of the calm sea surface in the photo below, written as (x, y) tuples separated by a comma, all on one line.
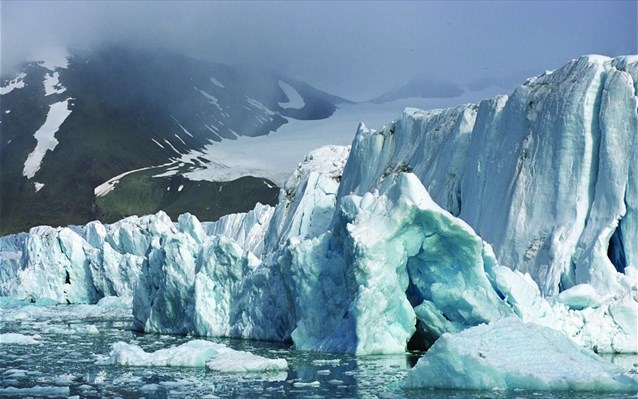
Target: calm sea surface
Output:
[(64, 364)]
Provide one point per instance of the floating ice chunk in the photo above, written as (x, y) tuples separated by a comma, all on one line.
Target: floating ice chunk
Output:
[(18, 339), (35, 391), (73, 330), (302, 384), (196, 353), (191, 354), (510, 354), (245, 362), (149, 387)]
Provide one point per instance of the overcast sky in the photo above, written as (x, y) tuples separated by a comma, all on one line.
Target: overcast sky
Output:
[(354, 49)]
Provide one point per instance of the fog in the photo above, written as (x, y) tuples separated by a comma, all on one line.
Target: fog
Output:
[(357, 50)]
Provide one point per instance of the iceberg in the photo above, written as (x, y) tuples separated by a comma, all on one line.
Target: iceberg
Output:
[(510, 354), (443, 220), (195, 353)]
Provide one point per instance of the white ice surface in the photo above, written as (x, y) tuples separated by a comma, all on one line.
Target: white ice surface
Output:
[(217, 82), (509, 354), (294, 98), (110, 184), (45, 136), (52, 84), (15, 83), (276, 155), (18, 339), (195, 353), (52, 58), (213, 100)]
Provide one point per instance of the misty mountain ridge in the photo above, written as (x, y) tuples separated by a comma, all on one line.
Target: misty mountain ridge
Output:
[(86, 135), (423, 87)]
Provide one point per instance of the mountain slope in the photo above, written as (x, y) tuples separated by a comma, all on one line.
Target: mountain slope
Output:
[(90, 116), (421, 87)]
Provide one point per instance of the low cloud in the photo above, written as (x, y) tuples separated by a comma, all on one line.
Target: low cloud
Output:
[(354, 49)]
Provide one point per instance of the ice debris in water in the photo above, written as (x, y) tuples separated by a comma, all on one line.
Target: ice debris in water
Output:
[(510, 354), (195, 353), (38, 390), (18, 339)]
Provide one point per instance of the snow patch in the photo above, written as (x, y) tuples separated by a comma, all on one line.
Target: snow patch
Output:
[(295, 100), (212, 99), (38, 186), (52, 84), (15, 83), (45, 137), (109, 185), (259, 106), (180, 139), (172, 146), (217, 83), (183, 128)]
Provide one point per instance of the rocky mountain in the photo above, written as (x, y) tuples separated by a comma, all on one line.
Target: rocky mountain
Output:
[(85, 134)]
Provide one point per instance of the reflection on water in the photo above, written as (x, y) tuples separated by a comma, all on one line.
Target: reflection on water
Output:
[(72, 338)]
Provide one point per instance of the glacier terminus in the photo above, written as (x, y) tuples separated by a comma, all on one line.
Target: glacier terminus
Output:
[(486, 232)]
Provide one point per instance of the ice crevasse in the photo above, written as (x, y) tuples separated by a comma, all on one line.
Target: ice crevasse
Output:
[(441, 221)]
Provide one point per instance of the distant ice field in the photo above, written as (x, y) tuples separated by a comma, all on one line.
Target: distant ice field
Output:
[(277, 154)]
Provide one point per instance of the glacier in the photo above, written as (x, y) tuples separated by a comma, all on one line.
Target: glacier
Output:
[(521, 206)]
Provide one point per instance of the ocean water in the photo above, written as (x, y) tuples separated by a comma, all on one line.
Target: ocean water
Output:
[(73, 338)]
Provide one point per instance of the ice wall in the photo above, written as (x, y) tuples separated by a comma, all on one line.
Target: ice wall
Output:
[(548, 181), (546, 175)]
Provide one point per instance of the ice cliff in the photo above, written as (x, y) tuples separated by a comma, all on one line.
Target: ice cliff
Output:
[(523, 205)]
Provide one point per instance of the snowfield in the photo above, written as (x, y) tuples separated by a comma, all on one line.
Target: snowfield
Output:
[(45, 136), (277, 154)]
